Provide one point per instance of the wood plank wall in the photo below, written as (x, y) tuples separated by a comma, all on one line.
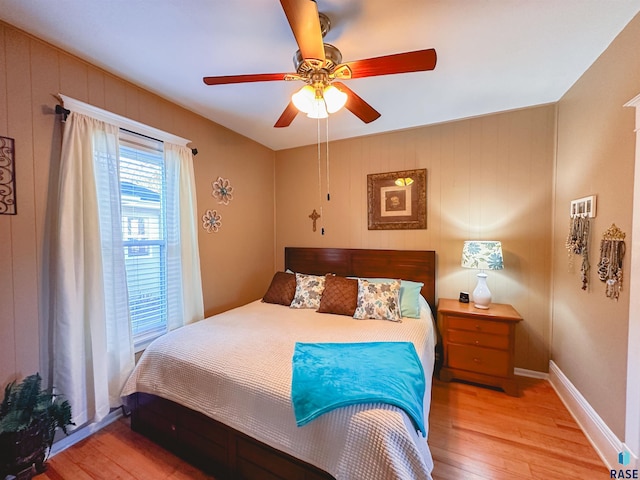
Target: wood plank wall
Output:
[(488, 178), (32, 72)]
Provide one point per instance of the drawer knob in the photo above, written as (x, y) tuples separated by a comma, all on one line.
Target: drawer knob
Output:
[(478, 327), (477, 342), (173, 428), (477, 360)]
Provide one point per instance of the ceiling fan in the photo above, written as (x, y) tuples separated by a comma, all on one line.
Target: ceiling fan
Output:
[(318, 64)]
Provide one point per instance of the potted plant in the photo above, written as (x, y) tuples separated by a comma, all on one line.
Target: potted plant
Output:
[(29, 418)]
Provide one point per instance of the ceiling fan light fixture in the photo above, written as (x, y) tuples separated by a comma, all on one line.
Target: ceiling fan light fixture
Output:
[(334, 98), (319, 103), (304, 98)]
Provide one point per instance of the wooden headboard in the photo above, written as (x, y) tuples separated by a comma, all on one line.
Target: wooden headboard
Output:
[(415, 265)]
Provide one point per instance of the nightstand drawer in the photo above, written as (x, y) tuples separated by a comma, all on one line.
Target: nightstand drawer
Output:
[(480, 325), (480, 360), (478, 339)]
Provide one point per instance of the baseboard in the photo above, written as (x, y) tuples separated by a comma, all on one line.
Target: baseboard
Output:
[(80, 434), (523, 372), (604, 441)]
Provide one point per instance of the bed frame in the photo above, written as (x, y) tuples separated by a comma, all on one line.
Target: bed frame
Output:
[(229, 454)]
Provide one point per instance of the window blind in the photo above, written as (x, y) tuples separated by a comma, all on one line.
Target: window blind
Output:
[(144, 233)]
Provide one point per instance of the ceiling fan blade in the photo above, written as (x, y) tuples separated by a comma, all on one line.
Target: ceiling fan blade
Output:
[(287, 116), (305, 25), (418, 61), (259, 77), (357, 105)]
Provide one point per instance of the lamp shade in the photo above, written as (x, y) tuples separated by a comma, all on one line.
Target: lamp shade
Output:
[(482, 255), (304, 98), (334, 98)]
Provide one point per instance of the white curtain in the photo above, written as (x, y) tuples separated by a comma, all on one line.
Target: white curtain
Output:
[(185, 295), (92, 346)]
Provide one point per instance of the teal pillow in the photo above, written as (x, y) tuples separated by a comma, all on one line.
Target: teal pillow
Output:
[(409, 295)]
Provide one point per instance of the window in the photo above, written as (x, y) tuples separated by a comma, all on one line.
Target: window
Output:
[(124, 248), (144, 234)]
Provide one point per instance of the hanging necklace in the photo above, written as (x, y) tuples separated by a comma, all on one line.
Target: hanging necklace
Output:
[(612, 250), (578, 243)]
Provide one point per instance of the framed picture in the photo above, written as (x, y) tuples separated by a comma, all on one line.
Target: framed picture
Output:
[(397, 200), (7, 177)]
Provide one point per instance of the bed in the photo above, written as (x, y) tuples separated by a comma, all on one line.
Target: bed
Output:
[(240, 424)]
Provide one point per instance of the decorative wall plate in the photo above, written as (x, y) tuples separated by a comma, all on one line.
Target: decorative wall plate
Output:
[(211, 221), (222, 191)]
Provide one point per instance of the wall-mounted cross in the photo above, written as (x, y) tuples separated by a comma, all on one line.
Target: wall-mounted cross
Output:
[(314, 216)]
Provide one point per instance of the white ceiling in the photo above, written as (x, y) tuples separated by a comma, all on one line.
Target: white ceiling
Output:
[(493, 55)]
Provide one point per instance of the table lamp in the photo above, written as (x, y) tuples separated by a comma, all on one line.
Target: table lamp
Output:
[(482, 255)]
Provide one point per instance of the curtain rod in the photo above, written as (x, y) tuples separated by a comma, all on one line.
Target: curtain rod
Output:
[(60, 110)]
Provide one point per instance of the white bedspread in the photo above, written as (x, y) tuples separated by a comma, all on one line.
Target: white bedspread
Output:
[(236, 367)]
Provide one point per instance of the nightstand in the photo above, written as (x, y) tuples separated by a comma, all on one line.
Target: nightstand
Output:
[(478, 344)]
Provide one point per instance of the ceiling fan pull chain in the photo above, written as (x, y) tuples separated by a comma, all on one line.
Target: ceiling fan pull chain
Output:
[(327, 162), (320, 181)]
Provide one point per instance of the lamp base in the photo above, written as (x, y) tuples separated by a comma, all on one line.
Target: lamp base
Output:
[(482, 294)]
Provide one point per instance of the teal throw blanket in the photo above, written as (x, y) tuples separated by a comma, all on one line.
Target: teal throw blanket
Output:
[(332, 375)]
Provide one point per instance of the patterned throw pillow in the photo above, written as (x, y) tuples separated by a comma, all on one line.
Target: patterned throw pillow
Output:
[(409, 295), (379, 301), (309, 290), (281, 290), (340, 296)]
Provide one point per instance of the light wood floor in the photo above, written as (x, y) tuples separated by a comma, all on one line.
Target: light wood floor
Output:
[(475, 433), (478, 433)]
